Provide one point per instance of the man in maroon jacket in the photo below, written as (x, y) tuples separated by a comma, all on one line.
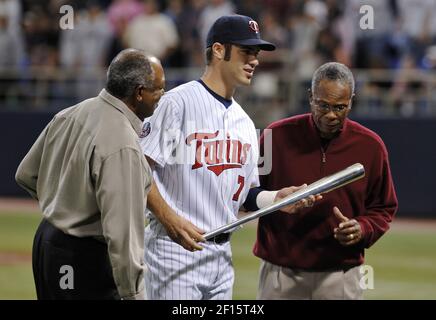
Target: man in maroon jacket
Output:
[(317, 253)]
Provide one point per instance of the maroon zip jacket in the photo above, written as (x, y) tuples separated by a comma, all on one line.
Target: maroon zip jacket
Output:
[(305, 240)]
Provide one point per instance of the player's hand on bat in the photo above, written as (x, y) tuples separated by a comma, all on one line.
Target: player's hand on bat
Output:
[(184, 232), (304, 203), (348, 231)]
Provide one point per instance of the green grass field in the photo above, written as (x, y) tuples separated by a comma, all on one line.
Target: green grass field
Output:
[(404, 265), (404, 262)]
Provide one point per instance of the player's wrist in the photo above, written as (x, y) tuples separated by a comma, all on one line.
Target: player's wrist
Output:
[(259, 198), (266, 198)]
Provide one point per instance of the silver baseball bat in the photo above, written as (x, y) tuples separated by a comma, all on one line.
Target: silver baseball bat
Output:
[(324, 185)]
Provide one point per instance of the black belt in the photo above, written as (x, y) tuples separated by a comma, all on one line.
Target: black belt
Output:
[(221, 238)]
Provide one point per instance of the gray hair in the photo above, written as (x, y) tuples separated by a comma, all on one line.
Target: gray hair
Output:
[(128, 70), (333, 71)]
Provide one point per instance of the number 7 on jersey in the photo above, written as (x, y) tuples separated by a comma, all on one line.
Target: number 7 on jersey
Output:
[(241, 182)]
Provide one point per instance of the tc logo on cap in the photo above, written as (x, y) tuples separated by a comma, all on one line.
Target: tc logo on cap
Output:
[(254, 26)]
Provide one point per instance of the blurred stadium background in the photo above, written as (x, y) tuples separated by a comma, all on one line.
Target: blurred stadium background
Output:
[(44, 69)]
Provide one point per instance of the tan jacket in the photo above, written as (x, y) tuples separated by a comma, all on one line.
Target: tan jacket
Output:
[(91, 179)]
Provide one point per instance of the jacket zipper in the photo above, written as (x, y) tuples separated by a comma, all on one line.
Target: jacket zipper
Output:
[(323, 161), (323, 156)]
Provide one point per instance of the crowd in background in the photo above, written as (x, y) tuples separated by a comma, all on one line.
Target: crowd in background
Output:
[(307, 33)]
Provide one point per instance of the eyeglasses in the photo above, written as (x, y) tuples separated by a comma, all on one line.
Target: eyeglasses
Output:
[(326, 108)]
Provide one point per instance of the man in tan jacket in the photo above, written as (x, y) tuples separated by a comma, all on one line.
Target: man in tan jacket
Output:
[(91, 179)]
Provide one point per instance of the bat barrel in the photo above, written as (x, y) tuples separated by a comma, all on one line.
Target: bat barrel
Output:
[(324, 185)]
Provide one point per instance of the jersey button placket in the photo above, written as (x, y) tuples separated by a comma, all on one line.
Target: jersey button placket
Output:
[(225, 124), (225, 135)]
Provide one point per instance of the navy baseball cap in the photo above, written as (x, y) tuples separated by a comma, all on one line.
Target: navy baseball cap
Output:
[(237, 29)]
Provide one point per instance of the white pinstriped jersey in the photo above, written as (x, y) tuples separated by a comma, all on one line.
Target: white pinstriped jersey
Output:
[(206, 155)]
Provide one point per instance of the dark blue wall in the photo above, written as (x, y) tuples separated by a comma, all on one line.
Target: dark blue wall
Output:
[(411, 145), (18, 132)]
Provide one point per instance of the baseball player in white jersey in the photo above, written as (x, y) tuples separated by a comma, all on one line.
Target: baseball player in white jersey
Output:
[(203, 149)]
